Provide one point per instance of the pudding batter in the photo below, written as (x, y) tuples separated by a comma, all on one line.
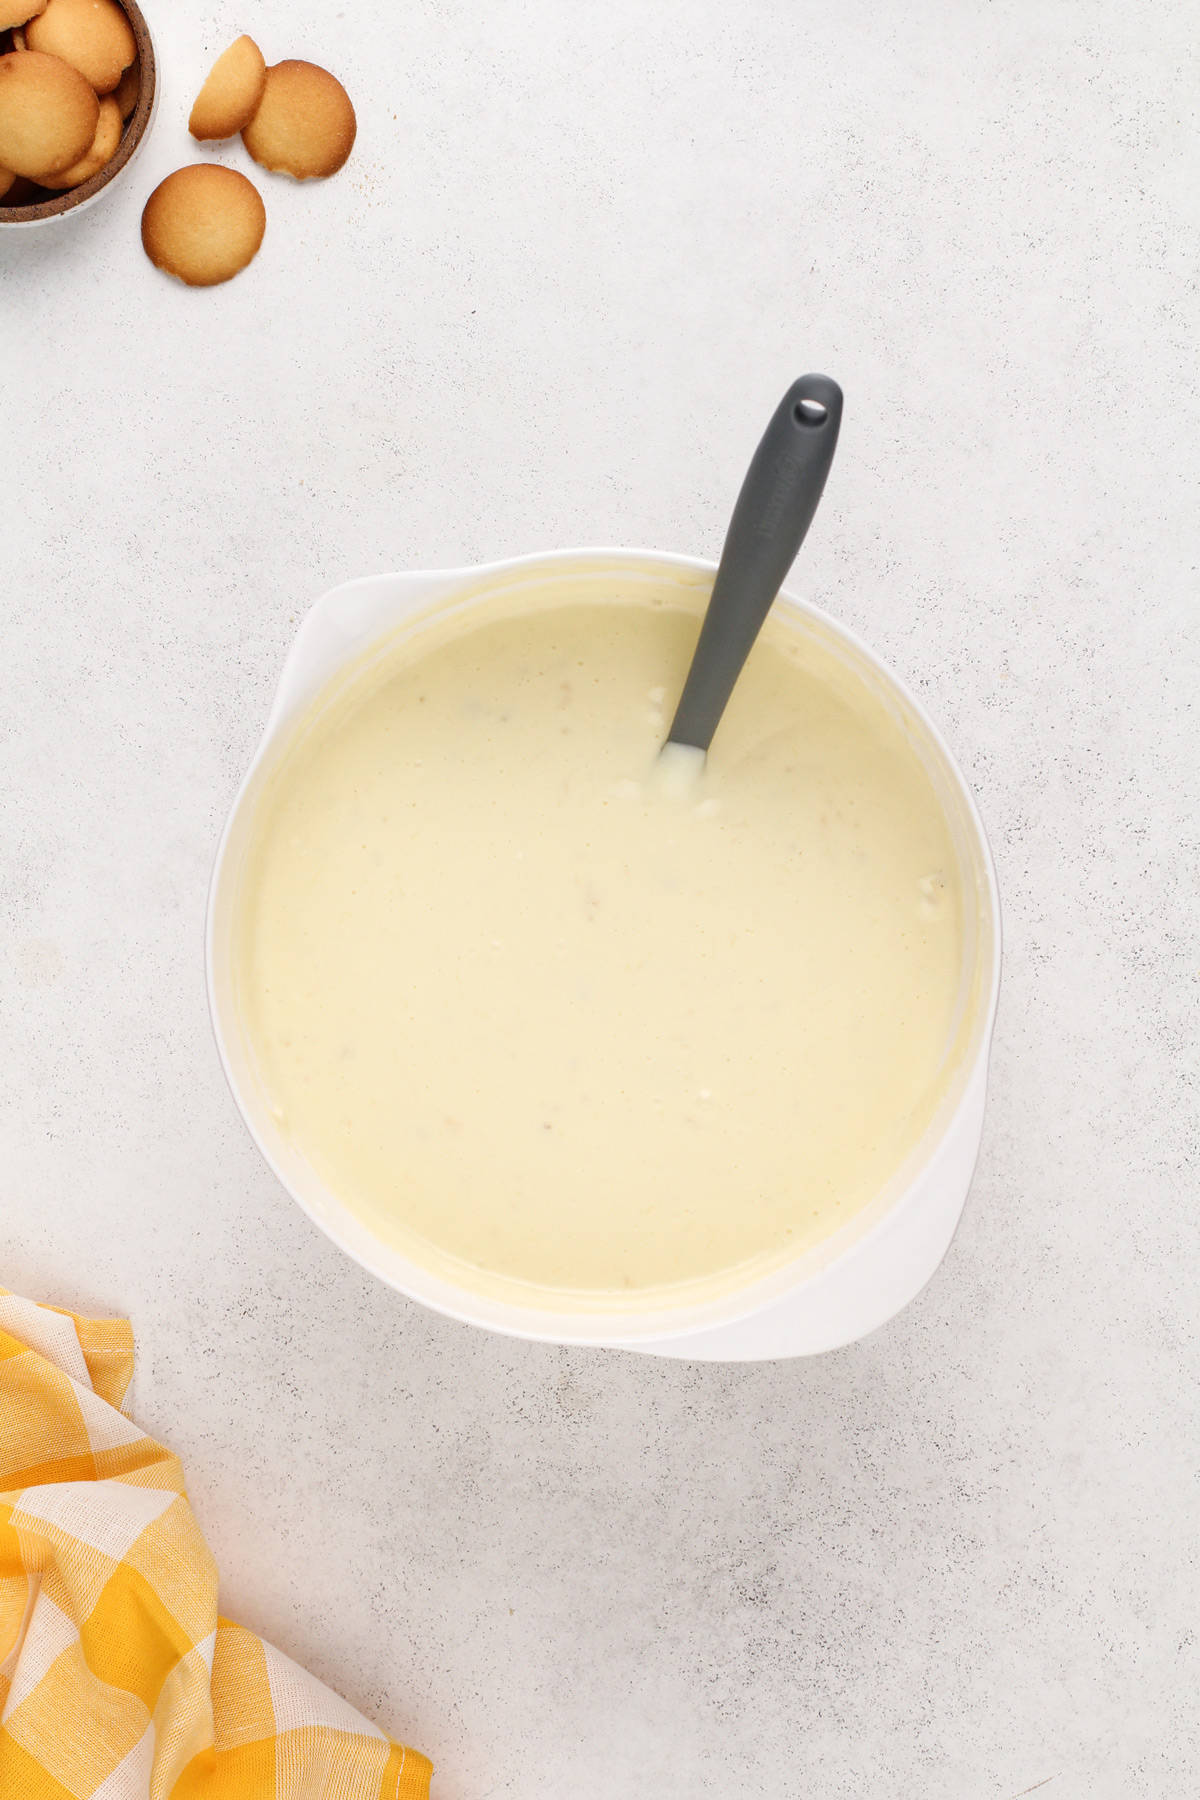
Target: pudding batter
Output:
[(549, 1024)]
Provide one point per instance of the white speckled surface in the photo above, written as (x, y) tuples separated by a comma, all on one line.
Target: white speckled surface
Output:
[(576, 257)]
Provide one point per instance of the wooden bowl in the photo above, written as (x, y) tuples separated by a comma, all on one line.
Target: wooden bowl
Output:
[(36, 205)]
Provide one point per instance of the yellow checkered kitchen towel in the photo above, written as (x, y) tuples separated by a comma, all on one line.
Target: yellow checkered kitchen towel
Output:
[(118, 1681)]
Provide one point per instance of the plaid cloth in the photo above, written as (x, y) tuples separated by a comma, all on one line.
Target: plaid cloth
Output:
[(118, 1681)]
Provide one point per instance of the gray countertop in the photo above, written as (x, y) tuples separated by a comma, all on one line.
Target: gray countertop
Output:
[(576, 257)]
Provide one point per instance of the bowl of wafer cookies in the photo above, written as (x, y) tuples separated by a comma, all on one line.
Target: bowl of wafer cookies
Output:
[(77, 95)]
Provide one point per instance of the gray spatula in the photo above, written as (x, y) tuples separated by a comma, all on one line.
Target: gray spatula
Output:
[(774, 510)]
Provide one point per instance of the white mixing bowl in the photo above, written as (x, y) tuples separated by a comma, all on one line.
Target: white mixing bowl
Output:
[(839, 1290)]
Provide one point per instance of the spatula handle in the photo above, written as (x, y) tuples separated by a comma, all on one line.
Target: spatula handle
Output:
[(774, 510)]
